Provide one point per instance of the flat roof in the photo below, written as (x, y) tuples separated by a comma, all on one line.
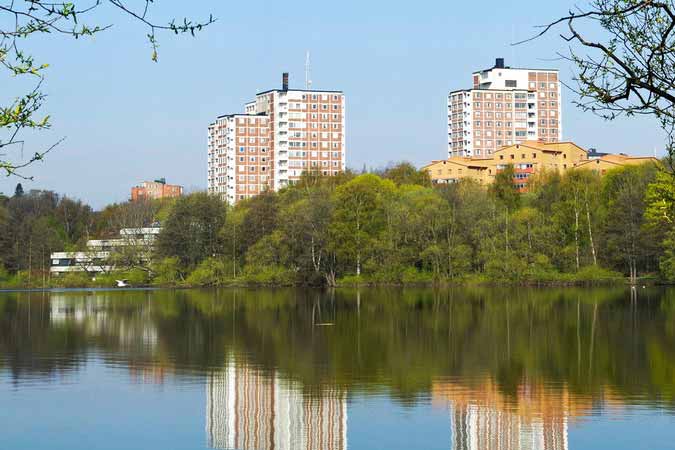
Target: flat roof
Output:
[(300, 90), (490, 90), (241, 114), (515, 68)]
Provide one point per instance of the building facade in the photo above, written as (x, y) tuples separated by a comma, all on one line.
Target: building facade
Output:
[(152, 190), (527, 158), (282, 133), (505, 106), (133, 242)]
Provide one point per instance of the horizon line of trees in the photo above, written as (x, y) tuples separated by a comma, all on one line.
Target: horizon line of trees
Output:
[(388, 226)]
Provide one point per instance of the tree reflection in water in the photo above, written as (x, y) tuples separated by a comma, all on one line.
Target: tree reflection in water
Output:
[(513, 366)]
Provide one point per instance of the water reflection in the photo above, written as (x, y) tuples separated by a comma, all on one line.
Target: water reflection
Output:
[(248, 410), (536, 419), (283, 369)]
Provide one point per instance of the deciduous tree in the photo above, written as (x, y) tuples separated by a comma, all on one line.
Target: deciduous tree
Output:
[(192, 231)]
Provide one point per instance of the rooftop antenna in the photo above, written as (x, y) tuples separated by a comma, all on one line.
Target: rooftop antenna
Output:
[(308, 81)]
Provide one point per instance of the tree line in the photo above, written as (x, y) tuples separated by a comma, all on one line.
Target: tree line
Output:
[(390, 226)]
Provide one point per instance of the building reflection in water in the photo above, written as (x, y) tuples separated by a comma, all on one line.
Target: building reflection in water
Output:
[(91, 312), (483, 418), (249, 410)]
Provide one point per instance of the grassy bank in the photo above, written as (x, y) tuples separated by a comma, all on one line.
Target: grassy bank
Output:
[(280, 277)]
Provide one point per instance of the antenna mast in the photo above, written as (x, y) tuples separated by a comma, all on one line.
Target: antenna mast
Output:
[(308, 81)]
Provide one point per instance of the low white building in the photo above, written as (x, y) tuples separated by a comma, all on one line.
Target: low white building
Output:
[(96, 258)]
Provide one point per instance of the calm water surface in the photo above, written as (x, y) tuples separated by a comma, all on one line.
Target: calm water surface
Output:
[(455, 369)]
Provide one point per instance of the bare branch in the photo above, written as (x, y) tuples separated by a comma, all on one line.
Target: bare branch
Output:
[(30, 18)]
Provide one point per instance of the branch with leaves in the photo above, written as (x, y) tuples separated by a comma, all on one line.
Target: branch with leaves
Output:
[(631, 70), (27, 19)]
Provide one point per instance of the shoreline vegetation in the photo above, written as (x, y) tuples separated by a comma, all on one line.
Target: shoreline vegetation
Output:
[(595, 277), (390, 227)]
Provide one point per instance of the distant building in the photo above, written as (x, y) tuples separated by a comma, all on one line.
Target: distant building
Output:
[(152, 190), (506, 106), (527, 158), (96, 258), (283, 133)]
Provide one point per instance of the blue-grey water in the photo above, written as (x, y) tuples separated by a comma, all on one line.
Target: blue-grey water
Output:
[(456, 369)]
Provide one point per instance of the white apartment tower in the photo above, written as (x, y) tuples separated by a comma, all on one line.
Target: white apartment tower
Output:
[(282, 133), (506, 106)]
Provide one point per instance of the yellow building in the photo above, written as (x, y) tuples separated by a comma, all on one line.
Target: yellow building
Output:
[(527, 158), (457, 168), (608, 162)]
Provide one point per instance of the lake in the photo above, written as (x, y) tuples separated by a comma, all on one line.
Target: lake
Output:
[(468, 368)]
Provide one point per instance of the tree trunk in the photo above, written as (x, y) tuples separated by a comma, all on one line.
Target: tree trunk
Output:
[(358, 245), (590, 230), (330, 278)]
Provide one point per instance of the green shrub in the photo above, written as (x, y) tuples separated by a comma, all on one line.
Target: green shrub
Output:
[(166, 272), (352, 280), (9, 281), (504, 266), (210, 272), (269, 276), (597, 273), (73, 280), (412, 275)]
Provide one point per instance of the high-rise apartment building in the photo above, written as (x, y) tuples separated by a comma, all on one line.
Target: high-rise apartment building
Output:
[(282, 133), (505, 106)]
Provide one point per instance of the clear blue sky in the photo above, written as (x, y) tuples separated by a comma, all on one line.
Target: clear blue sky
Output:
[(128, 119)]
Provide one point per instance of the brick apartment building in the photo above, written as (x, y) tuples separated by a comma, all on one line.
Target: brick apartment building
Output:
[(505, 106), (155, 190), (282, 133)]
